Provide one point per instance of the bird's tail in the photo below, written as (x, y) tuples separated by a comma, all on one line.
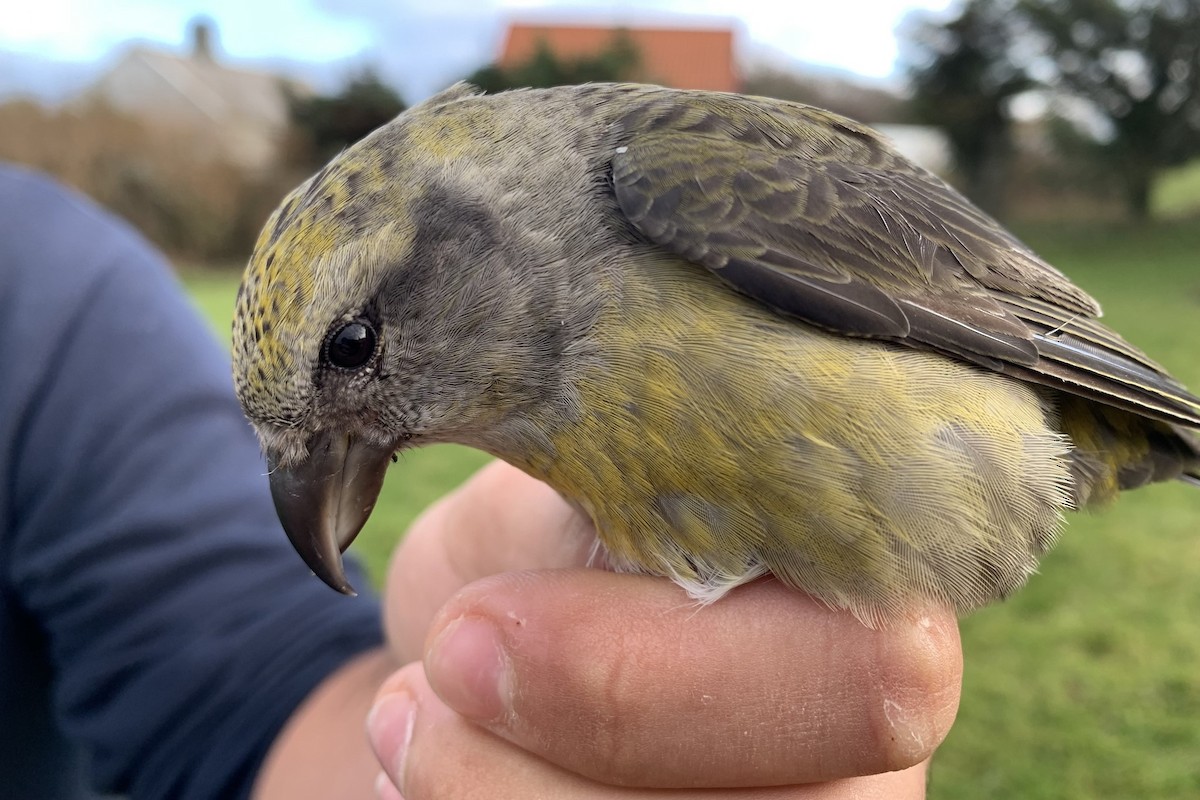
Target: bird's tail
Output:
[(1117, 450)]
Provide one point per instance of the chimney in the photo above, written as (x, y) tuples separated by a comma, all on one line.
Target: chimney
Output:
[(203, 34)]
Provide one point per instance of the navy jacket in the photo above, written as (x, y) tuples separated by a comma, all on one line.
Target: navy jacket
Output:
[(156, 629)]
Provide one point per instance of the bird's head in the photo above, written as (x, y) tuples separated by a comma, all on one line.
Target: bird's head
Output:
[(386, 302), (313, 346)]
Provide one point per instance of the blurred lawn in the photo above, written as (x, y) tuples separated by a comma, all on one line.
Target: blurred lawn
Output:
[(1177, 193), (1087, 683)]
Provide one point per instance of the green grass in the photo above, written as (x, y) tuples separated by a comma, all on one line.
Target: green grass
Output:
[(1177, 192), (1086, 684)]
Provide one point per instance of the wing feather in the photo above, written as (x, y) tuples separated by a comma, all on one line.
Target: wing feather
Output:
[(820, 219)]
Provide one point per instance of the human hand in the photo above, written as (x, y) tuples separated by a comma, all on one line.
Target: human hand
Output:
[(581, 683)]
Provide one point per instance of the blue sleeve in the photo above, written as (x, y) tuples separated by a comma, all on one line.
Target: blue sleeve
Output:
[(139, 534)]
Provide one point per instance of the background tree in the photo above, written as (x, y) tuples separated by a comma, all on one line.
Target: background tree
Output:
[(619, 61), (1128, 70), (1135, 64), (963, 74), (325, 125)]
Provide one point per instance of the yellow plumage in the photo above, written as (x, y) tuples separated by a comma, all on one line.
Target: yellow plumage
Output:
[(881, 468)]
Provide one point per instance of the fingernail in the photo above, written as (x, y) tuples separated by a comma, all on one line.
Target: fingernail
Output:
[(468, 668), (390, 725)]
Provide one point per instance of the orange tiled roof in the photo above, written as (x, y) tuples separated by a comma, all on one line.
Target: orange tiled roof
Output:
[(685, 58)]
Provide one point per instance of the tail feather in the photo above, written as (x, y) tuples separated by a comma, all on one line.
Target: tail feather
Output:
[(1115, 450)]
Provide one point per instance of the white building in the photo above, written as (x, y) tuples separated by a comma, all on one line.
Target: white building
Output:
[(233, 114)]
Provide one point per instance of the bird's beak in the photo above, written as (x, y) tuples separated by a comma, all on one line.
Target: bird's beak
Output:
[(324, 501)]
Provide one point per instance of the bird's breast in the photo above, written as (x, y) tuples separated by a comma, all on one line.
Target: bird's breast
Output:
[(716, 440)]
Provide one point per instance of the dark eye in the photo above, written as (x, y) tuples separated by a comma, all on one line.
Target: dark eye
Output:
[(350, 346)]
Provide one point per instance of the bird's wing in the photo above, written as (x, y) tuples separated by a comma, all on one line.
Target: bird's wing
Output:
[(818, 218)]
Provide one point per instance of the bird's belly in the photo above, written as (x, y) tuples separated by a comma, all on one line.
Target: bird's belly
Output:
[(718, 441)]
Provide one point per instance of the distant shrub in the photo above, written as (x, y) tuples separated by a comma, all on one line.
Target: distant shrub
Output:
[(195, 207)]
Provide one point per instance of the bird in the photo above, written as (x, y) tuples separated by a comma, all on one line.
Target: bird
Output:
[(743, 336)]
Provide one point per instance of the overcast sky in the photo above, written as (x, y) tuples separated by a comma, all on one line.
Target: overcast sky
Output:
[(420, 45)]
